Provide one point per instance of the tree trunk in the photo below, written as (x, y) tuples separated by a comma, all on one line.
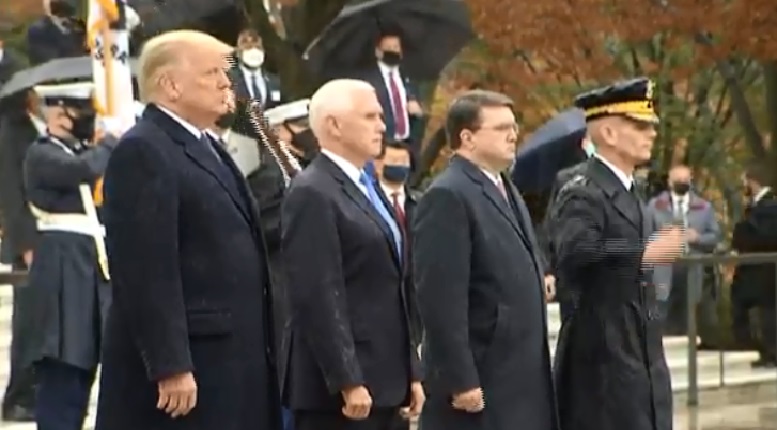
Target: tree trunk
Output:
[(770, 89), (304, 21)]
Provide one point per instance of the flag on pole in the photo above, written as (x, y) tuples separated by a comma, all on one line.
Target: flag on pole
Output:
[(109, 42)]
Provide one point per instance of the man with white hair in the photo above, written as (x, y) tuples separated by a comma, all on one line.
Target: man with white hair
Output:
[(348, 349), (189, 340)]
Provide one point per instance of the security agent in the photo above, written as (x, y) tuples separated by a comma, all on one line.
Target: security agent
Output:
[(610, 366), (69, 274)]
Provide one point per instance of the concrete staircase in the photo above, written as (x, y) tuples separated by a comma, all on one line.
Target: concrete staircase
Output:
[(715, 369), (734, 371)]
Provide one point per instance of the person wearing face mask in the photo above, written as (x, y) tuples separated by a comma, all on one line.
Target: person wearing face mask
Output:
[(392, 168), (68, 275), (397, 94), (754, 285), (256, 82), (59, 34), (682, 206)]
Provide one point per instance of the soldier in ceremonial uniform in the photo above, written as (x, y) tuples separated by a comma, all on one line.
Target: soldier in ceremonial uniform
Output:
[(611, 372), (69, 275)]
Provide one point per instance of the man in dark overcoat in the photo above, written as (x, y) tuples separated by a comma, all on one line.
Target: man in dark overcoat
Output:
[(610, 369), (479, 276), (189, 339)]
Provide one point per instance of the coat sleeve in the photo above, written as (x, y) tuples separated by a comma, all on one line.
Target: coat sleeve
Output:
[(579, 234), (441, 252), (710, 235), (56, 169), (316, 285), (141, 214)]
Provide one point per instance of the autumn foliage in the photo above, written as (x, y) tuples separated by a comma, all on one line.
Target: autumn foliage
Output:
[(540, 52)]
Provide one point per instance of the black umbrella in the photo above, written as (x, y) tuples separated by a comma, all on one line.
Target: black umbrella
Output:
[(554, 146), (158, 16), (61, 69), (433, 32)]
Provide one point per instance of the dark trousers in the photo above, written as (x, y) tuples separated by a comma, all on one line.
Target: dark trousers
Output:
[(379, 419), (63, 395), (20, 391), (767, 346), (675, 310)]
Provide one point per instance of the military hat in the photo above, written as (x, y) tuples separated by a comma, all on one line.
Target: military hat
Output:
[(77, 95), (632, 98), (288, 112)]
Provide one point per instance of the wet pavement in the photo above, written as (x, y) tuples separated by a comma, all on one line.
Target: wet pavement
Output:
[(740, 408)]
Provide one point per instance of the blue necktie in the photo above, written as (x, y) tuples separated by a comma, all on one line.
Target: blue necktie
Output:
[(380, 207)]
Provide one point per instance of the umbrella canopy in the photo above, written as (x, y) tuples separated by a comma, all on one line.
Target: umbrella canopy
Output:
[(432, 31), (554, 146), (158, 16), (61, 69)]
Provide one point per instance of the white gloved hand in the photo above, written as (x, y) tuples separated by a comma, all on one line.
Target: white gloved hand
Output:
[(133, 19)]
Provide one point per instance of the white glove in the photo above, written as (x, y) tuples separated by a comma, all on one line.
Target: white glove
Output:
[(133, 19)]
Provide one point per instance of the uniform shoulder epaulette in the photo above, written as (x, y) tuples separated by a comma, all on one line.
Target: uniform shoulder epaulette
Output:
[(577, 181)]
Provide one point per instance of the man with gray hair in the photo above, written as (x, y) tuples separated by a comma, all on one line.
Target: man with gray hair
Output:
[(348, 346), (189, 339)]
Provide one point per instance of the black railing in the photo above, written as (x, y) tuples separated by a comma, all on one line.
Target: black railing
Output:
[(695, 279)]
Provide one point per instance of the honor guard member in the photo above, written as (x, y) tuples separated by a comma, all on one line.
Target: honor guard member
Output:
[(69, 273), (290, 122), (610, 366)]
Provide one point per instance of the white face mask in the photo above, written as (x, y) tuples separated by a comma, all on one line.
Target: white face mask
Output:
[(253, 58)]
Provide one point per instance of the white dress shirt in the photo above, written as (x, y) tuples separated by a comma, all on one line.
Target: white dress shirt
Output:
[(351, 171), (400, 195), (387, 72), (626, 180), (680, 203), (196, 132), (257, 76)]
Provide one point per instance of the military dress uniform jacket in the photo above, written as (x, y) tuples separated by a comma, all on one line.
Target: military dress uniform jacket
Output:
[(611, 373), (71, 294)]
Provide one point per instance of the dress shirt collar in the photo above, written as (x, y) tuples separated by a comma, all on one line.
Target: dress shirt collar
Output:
[(386, 70), (761, 194), (496, 179), (389, 191), (626, 180), (196, 132), (350, 170)]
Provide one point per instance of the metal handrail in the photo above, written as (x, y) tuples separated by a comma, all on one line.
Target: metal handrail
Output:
[(695, 280)]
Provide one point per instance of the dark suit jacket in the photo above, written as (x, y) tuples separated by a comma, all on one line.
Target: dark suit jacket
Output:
[(411, 203), (271, 82), (349, 322), (17, 133), (480, 292), (757, 232), (375, 78), (190, 283), (46, 41)]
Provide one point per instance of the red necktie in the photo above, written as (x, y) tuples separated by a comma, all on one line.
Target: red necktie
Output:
[(398, 209), (400, 119)]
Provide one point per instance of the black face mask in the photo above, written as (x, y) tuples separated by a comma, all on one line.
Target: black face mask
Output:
[(62, 9), (83, 126), (226, 121), (305, 142), (681, 188), (395, 173), (392, 58)]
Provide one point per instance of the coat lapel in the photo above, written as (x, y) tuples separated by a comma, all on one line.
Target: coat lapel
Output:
[(624, 201), (492, 193), (201, 156), (361, 201)]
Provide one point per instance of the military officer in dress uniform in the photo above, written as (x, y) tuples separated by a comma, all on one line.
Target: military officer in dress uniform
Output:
[(69, 274), (610, 366)]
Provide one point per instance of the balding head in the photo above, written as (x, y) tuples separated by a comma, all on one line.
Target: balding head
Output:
[(346, 118), (185, 71)]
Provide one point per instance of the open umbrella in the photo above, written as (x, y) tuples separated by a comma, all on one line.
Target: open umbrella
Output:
[(61, 69), (433, 32), (158, 16), (554, 146)]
